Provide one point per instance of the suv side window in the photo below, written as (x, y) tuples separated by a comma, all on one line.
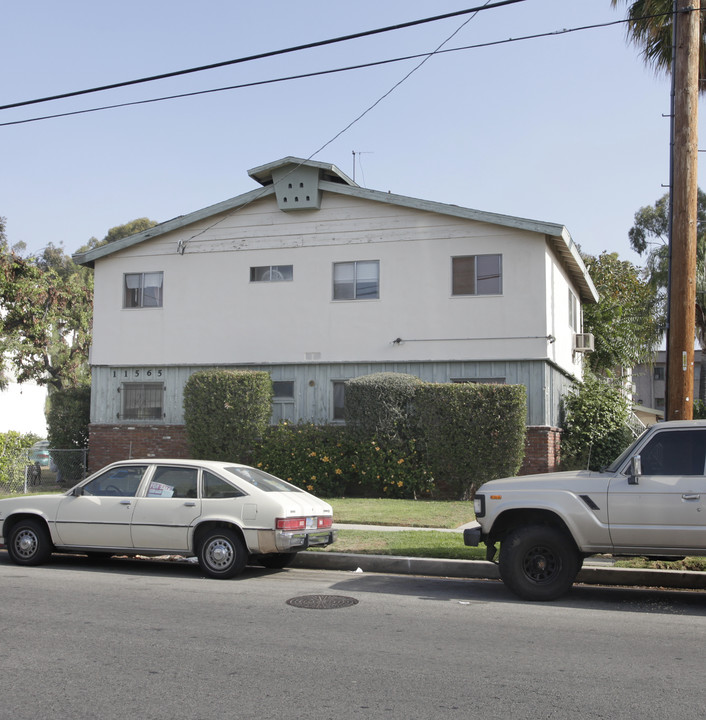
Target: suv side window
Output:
[(677, 452)]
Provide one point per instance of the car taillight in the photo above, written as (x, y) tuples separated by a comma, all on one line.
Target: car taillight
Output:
[(295, 523), (303, 523)]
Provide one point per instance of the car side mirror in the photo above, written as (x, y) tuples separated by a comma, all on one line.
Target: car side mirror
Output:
[(77, 491), (635, 470)]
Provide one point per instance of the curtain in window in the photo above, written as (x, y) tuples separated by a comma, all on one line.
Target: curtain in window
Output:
[(344, 281), (367, 280), (152, 291)]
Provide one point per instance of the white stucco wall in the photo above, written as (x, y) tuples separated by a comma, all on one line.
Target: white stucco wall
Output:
[(213, 314)]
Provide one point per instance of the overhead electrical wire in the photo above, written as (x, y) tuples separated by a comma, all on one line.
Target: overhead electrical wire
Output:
[(316, 73), (260, 56)]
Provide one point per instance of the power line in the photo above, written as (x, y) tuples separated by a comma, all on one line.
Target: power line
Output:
[(260, 56), (318, 73)]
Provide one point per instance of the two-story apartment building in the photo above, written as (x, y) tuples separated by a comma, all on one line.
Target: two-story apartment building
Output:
[(317, 280)]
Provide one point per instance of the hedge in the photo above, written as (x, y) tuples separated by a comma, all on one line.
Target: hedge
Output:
[(472, 433), (226, 412)]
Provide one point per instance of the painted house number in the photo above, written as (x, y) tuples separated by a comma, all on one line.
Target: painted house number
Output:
[(135, 374)]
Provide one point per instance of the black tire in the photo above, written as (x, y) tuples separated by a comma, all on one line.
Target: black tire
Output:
[(538, 562), (221, 553), (29, 543), (275, 561)]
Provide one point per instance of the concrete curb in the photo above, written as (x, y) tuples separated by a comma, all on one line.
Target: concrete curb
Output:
[(479, 569)]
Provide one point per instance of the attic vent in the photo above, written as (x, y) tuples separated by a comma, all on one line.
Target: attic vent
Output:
[(297, 188)]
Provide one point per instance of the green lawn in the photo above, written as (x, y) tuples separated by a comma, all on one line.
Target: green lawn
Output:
[(404, 513), (407, 513)]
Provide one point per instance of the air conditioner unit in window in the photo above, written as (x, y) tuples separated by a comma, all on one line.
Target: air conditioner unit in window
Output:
[(584, 342)]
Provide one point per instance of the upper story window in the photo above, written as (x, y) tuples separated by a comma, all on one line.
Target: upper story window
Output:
[(271, 273), (477, 275), (143, 289), (574, 312), (359, 280)]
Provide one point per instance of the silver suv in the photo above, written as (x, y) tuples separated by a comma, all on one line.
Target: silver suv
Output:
[(651, 501)]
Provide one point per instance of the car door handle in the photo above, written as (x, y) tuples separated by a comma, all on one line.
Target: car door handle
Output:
[(126, 502), (690, 496), (191, 503)]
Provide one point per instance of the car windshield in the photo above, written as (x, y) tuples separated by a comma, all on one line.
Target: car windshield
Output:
[(613, 467), (262, 480)]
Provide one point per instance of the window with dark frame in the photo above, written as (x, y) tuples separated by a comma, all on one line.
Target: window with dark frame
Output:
[(477, 275), (142, 401), (271, 273), (339, 399), (141, 290), (283, 389), (358, 280)]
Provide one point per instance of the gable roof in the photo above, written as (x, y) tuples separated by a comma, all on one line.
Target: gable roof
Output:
[(330, 179)]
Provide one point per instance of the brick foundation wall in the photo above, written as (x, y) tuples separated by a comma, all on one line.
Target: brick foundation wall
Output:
[(110, 443), (542, 450)]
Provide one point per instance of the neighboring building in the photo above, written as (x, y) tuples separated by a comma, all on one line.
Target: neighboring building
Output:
[(318, 280), (650, 381)]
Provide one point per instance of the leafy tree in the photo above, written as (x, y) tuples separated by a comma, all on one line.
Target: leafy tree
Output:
[(46, 311), (650, 26), (595, 424), (649, 236), (119, 232), (45, 316), (626, 322)]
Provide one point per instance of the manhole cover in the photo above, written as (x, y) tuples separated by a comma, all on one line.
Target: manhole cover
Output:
[(322, 602)]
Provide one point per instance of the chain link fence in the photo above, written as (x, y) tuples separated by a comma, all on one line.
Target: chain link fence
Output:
[(29, 470)]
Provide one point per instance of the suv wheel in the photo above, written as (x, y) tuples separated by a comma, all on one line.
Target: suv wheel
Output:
[(538, 562)]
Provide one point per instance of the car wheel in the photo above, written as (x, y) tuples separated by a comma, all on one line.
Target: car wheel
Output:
[(221, 553), (29, 543), (538, 562), (276, 561)]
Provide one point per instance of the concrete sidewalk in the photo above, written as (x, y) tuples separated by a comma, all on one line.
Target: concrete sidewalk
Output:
[(594, 571)]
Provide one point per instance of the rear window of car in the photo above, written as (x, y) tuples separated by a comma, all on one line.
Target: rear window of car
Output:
[(262, 480)]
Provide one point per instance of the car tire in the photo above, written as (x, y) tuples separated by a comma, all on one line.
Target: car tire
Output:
[(275, 561), (221, 553), (538, 562), (29, 543)]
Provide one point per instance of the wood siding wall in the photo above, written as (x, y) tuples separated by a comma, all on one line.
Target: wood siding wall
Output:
[(313, 399)]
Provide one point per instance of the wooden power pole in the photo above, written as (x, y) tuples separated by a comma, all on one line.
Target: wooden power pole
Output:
[(682, 285)]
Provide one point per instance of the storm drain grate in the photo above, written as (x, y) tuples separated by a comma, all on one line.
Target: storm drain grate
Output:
[(322, 602)]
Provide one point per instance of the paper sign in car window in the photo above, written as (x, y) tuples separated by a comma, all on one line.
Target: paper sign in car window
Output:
[(160, 490)]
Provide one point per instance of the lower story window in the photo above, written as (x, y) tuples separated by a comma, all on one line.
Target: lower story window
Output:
[(339, 399), (142, 401)]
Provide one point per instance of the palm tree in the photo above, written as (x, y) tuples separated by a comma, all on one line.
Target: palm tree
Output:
[(650, 26)]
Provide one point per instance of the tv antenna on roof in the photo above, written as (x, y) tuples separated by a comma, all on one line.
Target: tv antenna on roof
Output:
[(359, 152)]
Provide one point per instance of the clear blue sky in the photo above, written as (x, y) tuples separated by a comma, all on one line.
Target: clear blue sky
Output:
[(567, 129)]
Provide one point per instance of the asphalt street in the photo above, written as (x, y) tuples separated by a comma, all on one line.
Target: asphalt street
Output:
[(84, 639)]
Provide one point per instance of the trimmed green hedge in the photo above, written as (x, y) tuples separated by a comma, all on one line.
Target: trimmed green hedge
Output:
[(226, 412), (381, 406), (472, 433), (404, 438)]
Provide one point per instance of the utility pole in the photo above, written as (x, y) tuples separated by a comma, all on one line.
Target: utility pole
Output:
[(684, 187)]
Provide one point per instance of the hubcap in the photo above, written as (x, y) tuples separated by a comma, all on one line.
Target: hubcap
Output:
[(26, 543), (219, 553), (540, 564)]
